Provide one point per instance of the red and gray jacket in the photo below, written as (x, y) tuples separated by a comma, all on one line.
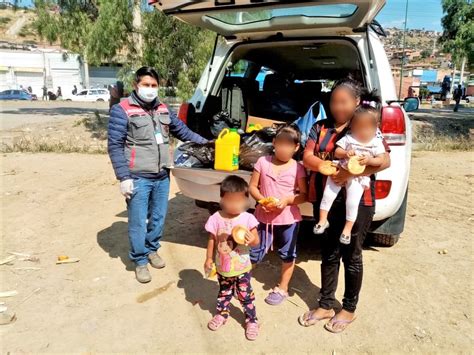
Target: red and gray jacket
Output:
[(138, 139)]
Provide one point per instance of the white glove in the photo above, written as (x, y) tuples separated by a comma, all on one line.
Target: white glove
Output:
[(126, 188)]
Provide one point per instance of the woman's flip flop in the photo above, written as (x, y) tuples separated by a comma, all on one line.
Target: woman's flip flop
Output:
[(308, 319), (329, 326)]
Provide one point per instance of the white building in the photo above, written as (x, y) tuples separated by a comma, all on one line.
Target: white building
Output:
[(51, 68)]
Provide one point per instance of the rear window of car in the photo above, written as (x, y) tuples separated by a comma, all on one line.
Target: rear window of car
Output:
[(252, 16)]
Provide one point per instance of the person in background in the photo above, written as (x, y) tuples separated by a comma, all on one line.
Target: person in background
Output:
[(139, 134), (74, 91), (45, 93), (30, 89), (59, 93), (116, 93), (457, 95)]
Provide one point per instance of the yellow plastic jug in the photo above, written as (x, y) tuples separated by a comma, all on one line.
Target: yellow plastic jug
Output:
[(227, 150), (254, 127)]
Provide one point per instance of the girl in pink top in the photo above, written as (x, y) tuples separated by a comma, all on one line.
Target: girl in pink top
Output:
[(281, 177), (232, 260)]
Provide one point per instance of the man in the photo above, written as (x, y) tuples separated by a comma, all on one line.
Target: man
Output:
[(457, 97), (138, 145), (74, 91)]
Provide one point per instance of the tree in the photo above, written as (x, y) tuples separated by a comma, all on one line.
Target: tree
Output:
[(127, 32), (458, 31), (98, 33)]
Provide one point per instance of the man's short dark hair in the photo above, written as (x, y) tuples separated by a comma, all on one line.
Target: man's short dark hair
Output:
[(146, 71), (234, 183)]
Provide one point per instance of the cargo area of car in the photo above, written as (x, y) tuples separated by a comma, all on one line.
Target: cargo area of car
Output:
[(274, 82), (277, 81)]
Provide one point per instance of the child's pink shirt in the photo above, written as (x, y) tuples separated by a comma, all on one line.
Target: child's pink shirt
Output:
[(278, 185), (232, 259)]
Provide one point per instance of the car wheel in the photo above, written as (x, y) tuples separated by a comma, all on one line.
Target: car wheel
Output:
[(100, 100), (467, 101), (385, 240), (68, 100)]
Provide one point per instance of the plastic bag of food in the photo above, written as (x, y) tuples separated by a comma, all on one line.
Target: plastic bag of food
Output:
[(255, 145), (194, 155), (222, 120)]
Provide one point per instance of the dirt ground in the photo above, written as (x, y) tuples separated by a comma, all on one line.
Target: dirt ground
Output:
[(414, 299)]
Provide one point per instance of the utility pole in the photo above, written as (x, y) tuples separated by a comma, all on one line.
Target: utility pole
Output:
[(137, 29), (403, 52)]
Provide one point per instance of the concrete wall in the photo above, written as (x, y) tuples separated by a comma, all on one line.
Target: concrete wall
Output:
[(51, 68), (37, 68)]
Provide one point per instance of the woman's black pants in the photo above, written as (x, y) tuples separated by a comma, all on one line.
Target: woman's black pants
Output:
[(332, 251)]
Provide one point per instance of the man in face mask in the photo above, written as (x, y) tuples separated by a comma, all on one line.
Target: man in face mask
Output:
[(138, 145)]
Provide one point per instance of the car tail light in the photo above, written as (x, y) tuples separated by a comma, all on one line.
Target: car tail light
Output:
[(393, 125), (184, 111), (382, 188)]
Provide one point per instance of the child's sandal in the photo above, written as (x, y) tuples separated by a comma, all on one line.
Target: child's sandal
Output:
[(345, 239), (320, 228), (216, 322), (251, 330)]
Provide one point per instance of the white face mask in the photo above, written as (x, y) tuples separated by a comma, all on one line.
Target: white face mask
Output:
[(147, 94)]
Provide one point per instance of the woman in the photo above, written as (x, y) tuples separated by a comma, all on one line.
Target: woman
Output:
[(344, 100), (138, 144)]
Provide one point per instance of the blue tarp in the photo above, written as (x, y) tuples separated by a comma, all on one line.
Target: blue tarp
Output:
[(429, 76), (435, 89)]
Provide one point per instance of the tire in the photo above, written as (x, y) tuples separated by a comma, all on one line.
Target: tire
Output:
[(385, 240), (100, 100), (68, 100)]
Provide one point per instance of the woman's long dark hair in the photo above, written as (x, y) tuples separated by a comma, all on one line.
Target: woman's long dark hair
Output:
[(353, 86)]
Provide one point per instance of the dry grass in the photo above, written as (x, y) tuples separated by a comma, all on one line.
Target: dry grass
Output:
[(35, 144), (443, 143), (92, 141)]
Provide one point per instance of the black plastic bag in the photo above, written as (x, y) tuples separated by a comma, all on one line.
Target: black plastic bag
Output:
[(255, 145), (223, 120), (194, 155)]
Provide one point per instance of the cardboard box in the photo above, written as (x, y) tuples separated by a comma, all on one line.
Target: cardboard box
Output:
[(264, 122)]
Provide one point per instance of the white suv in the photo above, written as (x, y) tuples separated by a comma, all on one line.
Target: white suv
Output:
[(90, 95), (305, 45)]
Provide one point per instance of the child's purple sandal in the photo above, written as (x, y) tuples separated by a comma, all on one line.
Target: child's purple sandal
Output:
[(216, 322), (276, 296), (251, 330)]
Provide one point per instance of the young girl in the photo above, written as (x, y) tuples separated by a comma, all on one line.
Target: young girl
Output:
[(280, 177), (362, 141), (232, 260)]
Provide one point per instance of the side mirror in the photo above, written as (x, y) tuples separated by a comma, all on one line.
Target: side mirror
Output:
[(411, 104)]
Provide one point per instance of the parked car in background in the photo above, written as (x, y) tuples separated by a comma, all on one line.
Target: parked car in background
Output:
[(89, 95), (469, 99), (15, 95), (33, 96)]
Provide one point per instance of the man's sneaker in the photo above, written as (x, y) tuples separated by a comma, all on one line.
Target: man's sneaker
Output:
[(142, 274), (156, 261), (320, 228)]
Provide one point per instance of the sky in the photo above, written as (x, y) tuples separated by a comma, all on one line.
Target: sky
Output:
[(421, 13)]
